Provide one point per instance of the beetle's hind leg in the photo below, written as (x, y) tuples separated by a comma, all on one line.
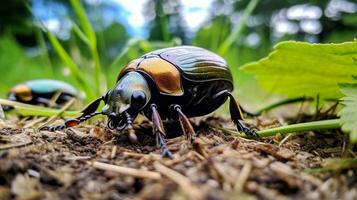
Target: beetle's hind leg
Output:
[(237, 115), (159, 131), (185, 124)]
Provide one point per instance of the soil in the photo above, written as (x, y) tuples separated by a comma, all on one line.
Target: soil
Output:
[(92, 162)]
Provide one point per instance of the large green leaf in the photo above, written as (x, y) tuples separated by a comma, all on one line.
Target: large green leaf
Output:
[(348, 114), (300, 69)]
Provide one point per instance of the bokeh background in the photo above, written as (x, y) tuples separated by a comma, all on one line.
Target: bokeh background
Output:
[(125, 29)]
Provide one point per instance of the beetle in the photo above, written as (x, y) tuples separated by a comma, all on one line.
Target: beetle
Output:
[(41, 91), (170, 83)]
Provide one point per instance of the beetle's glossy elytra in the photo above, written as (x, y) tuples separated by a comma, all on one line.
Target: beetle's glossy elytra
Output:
[(177, 83), (41, 91)]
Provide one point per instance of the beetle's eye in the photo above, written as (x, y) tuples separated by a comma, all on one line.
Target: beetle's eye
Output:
[(138, 99)]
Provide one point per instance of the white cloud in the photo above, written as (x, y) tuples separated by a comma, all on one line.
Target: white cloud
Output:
[(135, 11)]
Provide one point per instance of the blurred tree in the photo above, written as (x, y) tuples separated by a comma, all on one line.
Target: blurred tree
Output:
[(164, 18), (111, 40), (274, 21), (15, 18)]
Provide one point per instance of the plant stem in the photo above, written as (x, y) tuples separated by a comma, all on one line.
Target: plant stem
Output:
[(280, 103), (307, 126)]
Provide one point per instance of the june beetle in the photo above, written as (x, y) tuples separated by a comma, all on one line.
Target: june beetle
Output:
[(170, 83), (41, 91)]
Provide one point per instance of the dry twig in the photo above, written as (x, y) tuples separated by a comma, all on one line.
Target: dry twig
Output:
[(182, 181), (127, 171), (243, 176)]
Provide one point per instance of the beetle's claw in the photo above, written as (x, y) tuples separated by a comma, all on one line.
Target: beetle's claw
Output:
[(166, 153), (251, 133)]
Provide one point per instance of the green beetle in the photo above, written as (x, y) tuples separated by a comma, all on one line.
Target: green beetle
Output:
[(171, 83), (41, 91)]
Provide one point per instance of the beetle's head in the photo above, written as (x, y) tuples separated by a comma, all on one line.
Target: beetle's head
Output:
[(128, 97)]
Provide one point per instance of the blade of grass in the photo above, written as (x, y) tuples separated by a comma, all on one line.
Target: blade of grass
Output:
[(88, 30), (144, 45), (71, 65), (44, 51), (32, 110), (283, 102), (79, 32), (237, 31), (62, 110), (129, 44), (300, 127), (44, 112)]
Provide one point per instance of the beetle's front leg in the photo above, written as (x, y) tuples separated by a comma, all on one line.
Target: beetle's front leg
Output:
[(130, 129), (185, 124), (69, 122), (87, 113), (159, 131)]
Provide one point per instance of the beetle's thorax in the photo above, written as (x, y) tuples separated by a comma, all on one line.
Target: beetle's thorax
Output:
[(119, 99)]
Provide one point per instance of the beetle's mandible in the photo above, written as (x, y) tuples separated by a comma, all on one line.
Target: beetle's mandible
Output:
[(178, 83)]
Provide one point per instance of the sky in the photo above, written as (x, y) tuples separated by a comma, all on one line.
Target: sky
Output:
[(195, 12), (54, 15)]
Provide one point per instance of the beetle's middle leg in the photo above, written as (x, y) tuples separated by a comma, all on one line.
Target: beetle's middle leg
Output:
[(158, 129), (185, 124)]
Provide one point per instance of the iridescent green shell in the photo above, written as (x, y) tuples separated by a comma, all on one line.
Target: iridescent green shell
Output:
[(196, 64), (50, 86)]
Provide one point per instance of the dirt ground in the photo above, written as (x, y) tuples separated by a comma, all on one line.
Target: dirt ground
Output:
[(93, 162)]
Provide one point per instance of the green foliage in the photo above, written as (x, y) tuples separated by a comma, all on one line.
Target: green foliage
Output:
[(71, 65), (89, 32), (300, 69), (213, 34), (32, 110), (349, 113), (165, 20), (14, 62), (237, 31)]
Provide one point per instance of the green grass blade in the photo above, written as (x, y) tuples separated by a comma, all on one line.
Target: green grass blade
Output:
[(32, 110), (237, 31), (79, 32), (129, 44), (44, 52), (88, 30), (71, 65), (85, 24), (45, 113)]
